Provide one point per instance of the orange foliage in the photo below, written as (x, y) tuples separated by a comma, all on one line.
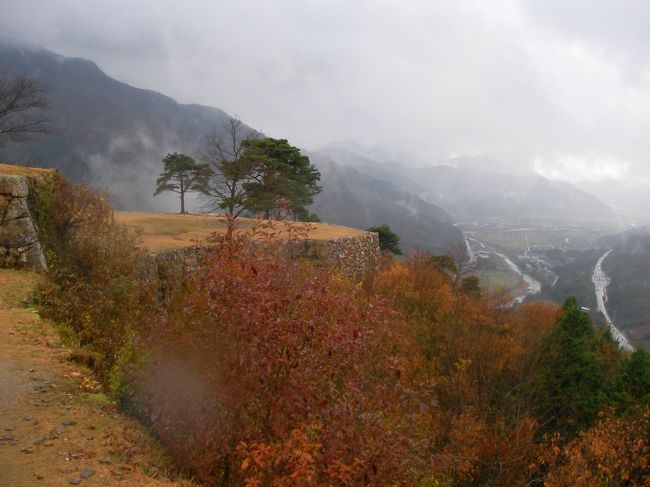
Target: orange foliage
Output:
[(478, 354), (264, 344), (271, 370), (267, 369), (614, 453)]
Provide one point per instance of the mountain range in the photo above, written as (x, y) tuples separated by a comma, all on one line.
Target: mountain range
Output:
[(107, 132), (114, 136), (362, 200), (466, 189)]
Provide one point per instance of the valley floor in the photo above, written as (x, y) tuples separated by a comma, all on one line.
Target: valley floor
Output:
[(52, 433)]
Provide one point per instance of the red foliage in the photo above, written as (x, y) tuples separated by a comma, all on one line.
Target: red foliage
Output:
[(268, 369), (266, 353)]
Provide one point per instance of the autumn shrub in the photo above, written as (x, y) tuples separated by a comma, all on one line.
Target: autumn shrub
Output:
[(265, 368), (616, 452), (94, 264), (273, 371), (477, 353)]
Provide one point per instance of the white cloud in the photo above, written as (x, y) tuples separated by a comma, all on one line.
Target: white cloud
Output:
[(587, 168), (559, 81)]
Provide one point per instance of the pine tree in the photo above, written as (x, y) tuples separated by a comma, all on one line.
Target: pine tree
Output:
[(181, 174), (388, 240), (631, 385), (569, 385), (281, 176)]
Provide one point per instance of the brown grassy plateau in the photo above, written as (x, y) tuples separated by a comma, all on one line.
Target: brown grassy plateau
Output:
[(164, 231), (23, 170)]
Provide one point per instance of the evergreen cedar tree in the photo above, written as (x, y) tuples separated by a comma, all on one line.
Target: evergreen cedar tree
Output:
[(281, 177), (570, 377), (22, 105), (182, 174), (388, 240), (580, 373)]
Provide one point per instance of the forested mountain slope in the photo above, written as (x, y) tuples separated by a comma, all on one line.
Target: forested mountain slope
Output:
[(107, 132), (628, 267), (361, 200), (114, 135)]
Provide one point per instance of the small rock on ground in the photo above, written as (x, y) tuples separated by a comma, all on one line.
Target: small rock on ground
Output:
[(87, 473)]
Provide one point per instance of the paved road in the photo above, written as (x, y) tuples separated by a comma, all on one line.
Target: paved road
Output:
[(601, 281)]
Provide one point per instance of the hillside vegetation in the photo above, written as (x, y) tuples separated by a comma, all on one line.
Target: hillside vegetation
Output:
[(628, 266), (107, 132), (267, 369)]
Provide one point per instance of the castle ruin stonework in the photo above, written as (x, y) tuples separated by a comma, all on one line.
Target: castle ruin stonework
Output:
[(19, 245)]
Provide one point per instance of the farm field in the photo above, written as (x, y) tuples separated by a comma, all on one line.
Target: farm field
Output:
[(519, 235)]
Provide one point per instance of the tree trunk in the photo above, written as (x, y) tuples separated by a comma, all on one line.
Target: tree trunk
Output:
[(182, 191), (231, 204)]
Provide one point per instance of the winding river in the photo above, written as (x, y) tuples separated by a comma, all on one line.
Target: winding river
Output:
[(534, 286)]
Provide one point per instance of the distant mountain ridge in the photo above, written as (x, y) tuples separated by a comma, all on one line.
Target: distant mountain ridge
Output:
[(109, 133), (468, 191), (360, 200), (115, 135)]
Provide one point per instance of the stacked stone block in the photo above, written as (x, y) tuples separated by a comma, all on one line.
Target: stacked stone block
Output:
[(19, 245)]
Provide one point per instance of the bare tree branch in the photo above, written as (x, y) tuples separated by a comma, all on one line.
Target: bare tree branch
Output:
[(226, 189), (23, 103)]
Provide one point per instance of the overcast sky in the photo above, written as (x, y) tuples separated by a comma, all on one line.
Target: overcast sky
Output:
[(562, 86)]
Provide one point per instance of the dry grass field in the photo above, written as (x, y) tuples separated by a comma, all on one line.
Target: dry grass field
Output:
[(23, 170), (163, 231)]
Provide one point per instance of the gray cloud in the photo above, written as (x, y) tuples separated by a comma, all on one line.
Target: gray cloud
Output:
[(560, 86)]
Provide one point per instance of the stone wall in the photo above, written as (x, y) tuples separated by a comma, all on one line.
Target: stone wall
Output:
[(169, 269), (356, 255), (19, 245), (20, 248)]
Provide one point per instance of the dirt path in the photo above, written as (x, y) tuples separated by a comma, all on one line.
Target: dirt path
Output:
[(54, 431)]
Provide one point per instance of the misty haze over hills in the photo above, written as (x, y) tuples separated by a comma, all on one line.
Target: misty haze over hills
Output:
[(361, 200), (109, 133), (469, 189), (114, 136), (559, 87)]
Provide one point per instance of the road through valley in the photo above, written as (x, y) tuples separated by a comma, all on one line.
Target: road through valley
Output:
[(601, 281)]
